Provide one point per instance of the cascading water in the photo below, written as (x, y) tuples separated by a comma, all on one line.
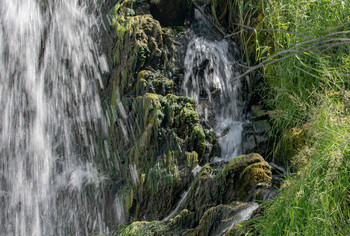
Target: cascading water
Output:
[(210, 66), (49, 110)]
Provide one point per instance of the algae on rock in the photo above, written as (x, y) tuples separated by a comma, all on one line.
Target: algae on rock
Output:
[(164, 140)]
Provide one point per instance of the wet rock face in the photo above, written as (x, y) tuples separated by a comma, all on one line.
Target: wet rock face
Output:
[(238, 180), (171, 12), (256, 132), (155, 132), (255, 136), (217, 200), (157, 135)]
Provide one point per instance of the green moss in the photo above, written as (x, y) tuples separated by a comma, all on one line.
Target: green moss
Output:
[(257, 174), (141, 228), (152, 110), (206, 170), (238, 164), (159, 178), (162, 85), (142, 87), (182, 221), (192, 159), (153, 83), (145, 74), (187, 118), (242, 175), (198, 141), (216, 219)]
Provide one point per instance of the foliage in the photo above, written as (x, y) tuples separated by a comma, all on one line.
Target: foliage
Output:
[(303, 48), (317, 201), (318, 60)]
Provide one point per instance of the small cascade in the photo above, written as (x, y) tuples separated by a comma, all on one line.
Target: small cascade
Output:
[(243, 215), (179, 204), (119, 211), (184, 196), (210, 65), (50, 116)]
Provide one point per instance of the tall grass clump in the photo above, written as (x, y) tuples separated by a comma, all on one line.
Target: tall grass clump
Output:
[(305, 56), (317, 200), (303, 51)]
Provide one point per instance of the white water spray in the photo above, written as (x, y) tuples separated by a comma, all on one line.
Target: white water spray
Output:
[(209, 69), (49, 110)]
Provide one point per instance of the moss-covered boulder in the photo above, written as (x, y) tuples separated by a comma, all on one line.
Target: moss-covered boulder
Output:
[(140, 42), (175, 226), (169, 143), (148, 81), (171, 12), (220, 219), (238, 180), (242, 176)]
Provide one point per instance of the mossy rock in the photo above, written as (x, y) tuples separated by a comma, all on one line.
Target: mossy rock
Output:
[(237, 230), (176, 226), (165, 151), (152, 82), (165, 139), (139, 44), (242, 176), (142, 228), (192, 159), (203, 193), (217, 220), (198, 141), (238, 180), (184, 220)]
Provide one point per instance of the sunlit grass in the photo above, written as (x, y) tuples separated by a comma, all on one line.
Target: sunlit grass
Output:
[(317, 200), (306, 47)]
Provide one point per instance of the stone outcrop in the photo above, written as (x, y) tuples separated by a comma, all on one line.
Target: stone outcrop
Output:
[(162, 139), (216, 198), (157, 138)]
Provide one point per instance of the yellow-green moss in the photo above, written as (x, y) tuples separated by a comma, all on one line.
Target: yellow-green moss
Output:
[(192, 159), (142, 228), (238, 164), (198, 140)]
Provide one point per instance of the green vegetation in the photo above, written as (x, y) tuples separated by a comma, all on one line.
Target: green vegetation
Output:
[(303, 48), (317, 200)]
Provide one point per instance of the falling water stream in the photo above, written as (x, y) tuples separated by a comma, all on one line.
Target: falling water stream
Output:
[(210, 65), (50, 111), (50, 73)]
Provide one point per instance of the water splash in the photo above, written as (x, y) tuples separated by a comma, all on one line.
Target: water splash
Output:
[(243, 215), (210, 65), (119, 211), (50, 110)]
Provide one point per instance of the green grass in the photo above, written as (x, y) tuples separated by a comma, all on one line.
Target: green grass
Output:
[(312, 60), (317, 200), (304, 54)]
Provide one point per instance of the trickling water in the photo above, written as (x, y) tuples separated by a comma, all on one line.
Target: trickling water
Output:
[(119, 210), (49, 110), (210, 65), (184, 196), (243, 215)]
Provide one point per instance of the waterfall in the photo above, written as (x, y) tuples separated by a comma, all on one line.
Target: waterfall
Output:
[(50, 109), (210, 65)]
